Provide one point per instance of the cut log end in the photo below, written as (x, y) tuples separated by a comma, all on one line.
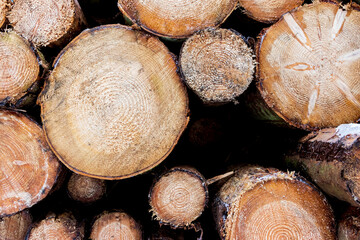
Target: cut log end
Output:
[(349, 224), (174, 18), (306, 66), (114, 105), (16, 226), (59, 227), (217, 65), (85, 189), (268, 11), (3, 11), (331, 158), (46, 22), (19, 68), (28, 167), (269, 204), (178, 197), (115, 225)]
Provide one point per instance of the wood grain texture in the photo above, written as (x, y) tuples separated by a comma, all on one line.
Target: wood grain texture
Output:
[(309, 64), (28, 168), (46, 22), (259, 203), (176, 18), (114, 105), (19, 68)]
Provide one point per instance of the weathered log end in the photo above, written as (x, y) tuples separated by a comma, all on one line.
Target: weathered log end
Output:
[(260, 203)]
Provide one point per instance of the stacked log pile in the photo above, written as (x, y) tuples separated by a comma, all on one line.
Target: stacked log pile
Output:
[(179, 119)]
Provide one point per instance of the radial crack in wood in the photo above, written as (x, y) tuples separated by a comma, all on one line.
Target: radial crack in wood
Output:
[(258, 203), (28, 168), (114, 105), (176, 18), (299, 53)]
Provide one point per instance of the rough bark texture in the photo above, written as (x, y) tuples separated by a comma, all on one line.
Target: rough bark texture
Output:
[(331, 158), (19, 69), (309, 64), (268, 11), (114, 105), (217, 64), (349, 224), (16, 226), (178, 197), (260, 203), (28, 166), (85, 189), (176, 18), (46, 22), (57, 227), (115, 225)]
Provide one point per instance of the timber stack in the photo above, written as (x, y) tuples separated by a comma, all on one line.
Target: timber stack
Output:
[(179, 119)]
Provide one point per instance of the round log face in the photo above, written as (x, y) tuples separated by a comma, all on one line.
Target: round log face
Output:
[(217, 64), (176, 18), (19, 67), (28, 167), (280, 210), (43, 22), (114, 105), (268, 10), (309, 64), (178, 197), (116, 225)]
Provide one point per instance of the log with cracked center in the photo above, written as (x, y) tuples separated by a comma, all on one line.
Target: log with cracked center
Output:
[(176, 18), (268, 11), (114, 105), (331, 158), (349, 224), (178, 197), (309, 64), (217, 64), (15, 227), (116, 225), (85, 189), (57, 227), (28, 167), (46, 22), (19, 68), (260, 203)]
